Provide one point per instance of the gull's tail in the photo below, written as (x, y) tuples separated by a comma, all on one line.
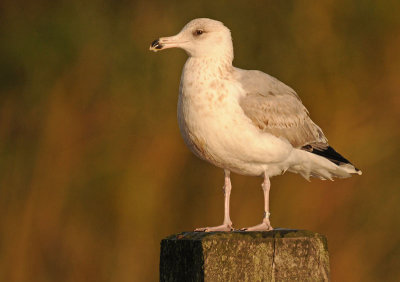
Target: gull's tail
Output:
[(323, 163)]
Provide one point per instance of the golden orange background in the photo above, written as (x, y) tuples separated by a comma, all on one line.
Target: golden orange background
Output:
[(94, 173)]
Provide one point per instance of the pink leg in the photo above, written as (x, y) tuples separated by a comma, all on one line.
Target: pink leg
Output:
[(265, 225), (227, 224)]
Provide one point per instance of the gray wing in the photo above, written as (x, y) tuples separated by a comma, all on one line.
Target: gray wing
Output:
[(275, 108)]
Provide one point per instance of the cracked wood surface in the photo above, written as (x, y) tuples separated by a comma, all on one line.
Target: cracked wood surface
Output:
[(278, 255)]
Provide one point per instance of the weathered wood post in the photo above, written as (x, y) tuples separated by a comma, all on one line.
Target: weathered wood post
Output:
[(278, 255)]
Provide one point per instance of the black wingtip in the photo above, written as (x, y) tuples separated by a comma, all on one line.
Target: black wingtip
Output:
[(328, 153)]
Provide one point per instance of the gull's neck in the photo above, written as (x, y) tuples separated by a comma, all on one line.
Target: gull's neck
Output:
[(218, 67)]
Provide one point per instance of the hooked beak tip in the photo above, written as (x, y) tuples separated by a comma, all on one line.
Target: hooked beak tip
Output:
[(156, 45)]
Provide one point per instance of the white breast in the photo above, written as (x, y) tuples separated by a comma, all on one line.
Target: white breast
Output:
[(215, 128)]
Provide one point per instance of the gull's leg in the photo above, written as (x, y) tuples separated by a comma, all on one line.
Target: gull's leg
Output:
[(227, 224), (265, 225)]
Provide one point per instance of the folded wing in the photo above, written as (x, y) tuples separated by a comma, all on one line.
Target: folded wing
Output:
[(276, 108)]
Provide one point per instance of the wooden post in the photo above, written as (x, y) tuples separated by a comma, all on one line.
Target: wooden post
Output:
[(278, 255)]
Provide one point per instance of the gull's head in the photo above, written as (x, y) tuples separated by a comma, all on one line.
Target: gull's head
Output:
[(199, 38)]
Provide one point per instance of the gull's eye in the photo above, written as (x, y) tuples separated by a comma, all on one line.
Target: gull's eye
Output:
[(198, 32)]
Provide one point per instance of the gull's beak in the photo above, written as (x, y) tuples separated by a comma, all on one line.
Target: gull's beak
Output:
[(165, 43)]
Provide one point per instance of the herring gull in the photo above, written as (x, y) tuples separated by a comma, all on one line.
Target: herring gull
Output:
[(245, 121)]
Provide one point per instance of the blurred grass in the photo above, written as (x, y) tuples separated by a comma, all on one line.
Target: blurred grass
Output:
[(93, 172)]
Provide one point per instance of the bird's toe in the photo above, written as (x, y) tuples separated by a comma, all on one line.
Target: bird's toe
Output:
[(223, 227), (260, 227)]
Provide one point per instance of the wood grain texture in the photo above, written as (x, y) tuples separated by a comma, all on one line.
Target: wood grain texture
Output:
[(278, 255)]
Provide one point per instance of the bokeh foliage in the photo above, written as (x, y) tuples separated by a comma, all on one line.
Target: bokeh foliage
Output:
[(93, 172)]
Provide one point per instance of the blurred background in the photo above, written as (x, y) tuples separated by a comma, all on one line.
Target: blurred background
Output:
[(94, 173)]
